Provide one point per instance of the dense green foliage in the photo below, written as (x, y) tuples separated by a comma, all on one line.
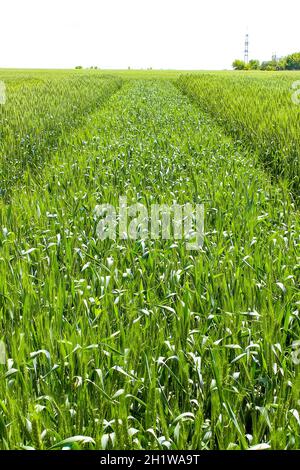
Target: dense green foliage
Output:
[(293, 61), (290, 62), (123, 344)]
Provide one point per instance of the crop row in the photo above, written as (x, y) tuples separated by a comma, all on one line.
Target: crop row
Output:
[(259, 110)]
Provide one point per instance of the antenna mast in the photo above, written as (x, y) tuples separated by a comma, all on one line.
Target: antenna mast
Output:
[(246, 56)]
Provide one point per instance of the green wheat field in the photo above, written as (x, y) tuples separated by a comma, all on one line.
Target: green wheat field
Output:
[(142, 344)]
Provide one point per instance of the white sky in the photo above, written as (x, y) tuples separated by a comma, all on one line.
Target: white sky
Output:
[(179, 34)]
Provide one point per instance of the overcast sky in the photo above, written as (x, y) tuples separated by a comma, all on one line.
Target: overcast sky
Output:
[(179, 34)]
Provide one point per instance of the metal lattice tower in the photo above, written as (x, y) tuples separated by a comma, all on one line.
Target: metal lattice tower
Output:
[(246, 56)]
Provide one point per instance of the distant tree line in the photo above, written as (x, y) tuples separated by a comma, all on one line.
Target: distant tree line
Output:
[(79, 67), (290, 62)]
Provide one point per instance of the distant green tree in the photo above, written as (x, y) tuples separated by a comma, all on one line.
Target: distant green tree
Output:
[(269, 65), (239, 65), (254, 64), (293, 61), (78, 67), (281, 64)]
